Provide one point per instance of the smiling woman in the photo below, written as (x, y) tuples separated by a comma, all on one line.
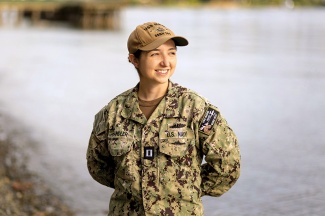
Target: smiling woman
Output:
[(167, 131), (264, 67), (155, 67)]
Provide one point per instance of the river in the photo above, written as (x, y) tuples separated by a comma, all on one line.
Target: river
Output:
[(264, 68)]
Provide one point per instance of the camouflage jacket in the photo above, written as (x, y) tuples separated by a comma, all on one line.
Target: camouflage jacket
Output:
[(155, 165)]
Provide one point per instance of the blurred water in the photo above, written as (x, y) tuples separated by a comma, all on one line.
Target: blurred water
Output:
[(264, 68)]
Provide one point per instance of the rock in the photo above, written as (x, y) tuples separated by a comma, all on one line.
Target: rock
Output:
[(21, 186)]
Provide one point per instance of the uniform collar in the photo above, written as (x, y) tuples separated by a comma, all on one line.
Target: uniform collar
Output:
[(169, 104), (131, 107), (172, 108)]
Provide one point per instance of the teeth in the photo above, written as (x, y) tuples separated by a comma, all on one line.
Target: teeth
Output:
[(162, 71)]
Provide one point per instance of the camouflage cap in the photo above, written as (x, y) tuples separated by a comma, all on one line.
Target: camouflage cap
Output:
[(151, 35)]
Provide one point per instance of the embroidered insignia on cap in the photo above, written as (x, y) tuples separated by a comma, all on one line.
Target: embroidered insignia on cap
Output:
[(209, 118), (160, 29), (148, 153)]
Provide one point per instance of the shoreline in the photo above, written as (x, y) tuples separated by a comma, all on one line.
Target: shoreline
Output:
[(23, 192)]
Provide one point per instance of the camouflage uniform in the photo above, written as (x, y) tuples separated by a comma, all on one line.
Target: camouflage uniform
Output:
[(155, 165)]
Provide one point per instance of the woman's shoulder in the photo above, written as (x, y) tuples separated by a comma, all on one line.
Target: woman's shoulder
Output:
[(185, 93), (117, 100)]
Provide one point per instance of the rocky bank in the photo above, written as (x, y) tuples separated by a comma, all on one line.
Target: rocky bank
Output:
[(22, 192)]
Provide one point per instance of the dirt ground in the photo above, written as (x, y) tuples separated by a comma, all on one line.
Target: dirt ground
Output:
[(22, 192)]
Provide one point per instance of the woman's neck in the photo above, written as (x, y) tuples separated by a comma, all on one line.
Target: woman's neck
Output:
[(151, 92)]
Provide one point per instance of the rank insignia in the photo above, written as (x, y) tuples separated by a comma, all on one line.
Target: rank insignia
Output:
[(148, 153)]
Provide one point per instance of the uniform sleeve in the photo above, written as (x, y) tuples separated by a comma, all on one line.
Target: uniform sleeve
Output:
[(222, 155), (99, 161)]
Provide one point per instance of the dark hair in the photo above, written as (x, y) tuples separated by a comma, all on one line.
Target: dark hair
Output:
[(137, 54)]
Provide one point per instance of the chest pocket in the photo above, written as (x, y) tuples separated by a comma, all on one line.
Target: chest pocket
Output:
[(118, 145), (176, 141)]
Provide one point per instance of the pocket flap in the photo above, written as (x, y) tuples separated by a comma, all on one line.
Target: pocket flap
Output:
[(118, 146), (175, 147)]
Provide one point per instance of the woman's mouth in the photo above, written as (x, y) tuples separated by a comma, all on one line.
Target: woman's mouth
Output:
[(165, 71)]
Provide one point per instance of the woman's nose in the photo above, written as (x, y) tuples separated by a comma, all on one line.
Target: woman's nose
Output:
[(165, 61)]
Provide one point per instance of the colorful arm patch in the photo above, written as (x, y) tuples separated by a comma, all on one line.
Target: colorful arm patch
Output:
[(208, 120)]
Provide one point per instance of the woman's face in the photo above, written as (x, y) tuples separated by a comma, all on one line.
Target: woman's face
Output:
[(157, 66)]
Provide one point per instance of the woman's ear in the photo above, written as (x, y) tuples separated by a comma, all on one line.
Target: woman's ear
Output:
[(134, 60)]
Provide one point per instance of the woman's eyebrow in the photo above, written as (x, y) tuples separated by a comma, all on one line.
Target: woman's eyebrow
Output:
[(172, 48)]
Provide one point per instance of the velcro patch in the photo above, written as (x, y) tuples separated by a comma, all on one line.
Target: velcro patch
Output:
[(209, 118), (149, 153)]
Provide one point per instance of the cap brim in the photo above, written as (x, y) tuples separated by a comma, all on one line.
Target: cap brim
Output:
[(179, 41)]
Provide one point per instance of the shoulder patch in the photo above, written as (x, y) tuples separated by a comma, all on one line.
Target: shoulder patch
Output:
[(208, 120)]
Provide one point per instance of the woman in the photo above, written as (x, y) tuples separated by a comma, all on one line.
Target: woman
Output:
[(149, 142)]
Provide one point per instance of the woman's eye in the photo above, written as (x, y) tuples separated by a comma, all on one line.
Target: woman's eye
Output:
[(154, 54)]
